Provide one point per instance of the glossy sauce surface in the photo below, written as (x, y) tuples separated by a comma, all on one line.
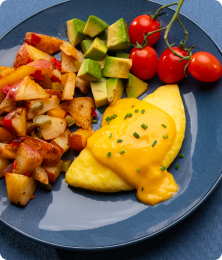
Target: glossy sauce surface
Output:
[(140, 163)]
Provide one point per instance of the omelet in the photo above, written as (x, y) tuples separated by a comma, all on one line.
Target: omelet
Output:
[(136, 144)]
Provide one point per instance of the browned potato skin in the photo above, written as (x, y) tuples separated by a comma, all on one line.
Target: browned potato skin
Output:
[(8, 152), (69, 87), (5, 136), (53, 171), (78, 140), (80, 110), (47, 44), (51, 154), (52, 92), (20, 188), (62, 141), (68, 64), (27, 159), (83, 85), (3, 164), (30, 127), (8, 169), (57, 127), (40, 175)]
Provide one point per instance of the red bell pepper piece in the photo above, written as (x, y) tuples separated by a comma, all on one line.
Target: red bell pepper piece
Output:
[(35, 39), (55, 79), (93, 113), (37, 75), (6, 89)]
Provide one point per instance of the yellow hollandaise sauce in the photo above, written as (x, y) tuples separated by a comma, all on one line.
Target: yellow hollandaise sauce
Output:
[(133, 142)]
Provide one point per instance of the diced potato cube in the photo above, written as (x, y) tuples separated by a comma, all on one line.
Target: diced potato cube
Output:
[(78, 140), (40, 175), (53, 171), (3, 164), (69, 87), (62, 141)]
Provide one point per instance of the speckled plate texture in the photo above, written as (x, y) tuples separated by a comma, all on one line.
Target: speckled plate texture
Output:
[(79, 219)]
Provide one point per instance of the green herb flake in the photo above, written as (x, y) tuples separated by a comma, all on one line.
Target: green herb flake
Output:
[(137, 111), (144, 126), (108, 154), (136, 135), (164, 125), (108, 118), (119, 141), (138, 170), (181, 155), (143, 111), (165, 136), (114, 116), (108, 122), (177, 166), (132, 106), (154, 143), (129, 114), (110, 135), (163, 168), (142, 189), (122, 151), (95, 121)]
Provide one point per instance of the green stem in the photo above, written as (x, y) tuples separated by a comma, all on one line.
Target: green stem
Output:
[(154, 17), (185, 32)]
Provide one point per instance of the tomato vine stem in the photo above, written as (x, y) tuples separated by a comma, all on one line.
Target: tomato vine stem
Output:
[(167, 29)]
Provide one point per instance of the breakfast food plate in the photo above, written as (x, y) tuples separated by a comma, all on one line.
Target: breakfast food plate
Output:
[(79, 219)]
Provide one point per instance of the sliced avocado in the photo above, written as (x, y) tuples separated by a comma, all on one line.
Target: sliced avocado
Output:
[(99, 91), (90, 70), (102, 61), (117, 67), (118, 36), (115, 88), (85, 45), (96, 51), (122, 55), (75, 31), (95, 26), (135, 87), (103, 36)]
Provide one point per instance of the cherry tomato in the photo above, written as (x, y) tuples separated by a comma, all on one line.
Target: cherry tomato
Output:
[(141, 25), (169, 69), (144, 62), (205, 67)]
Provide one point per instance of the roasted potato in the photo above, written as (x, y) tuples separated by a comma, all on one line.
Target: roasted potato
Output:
[(69, 64), (57, 112), (77, 140), (3, 164), (83, 85), (80, 110), (7, 151), (5, 136), (69, 87), (69, 50), (40, 175), (53, 171), (47, 43), (50, 153), (30, 127), (7, 105), (62, 141), (20, 188), (8, 169), (4, 71)]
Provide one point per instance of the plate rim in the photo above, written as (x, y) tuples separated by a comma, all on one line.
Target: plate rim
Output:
[(135, 241)]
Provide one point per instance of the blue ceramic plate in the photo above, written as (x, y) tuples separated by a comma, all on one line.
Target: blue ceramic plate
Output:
[(80, 219)]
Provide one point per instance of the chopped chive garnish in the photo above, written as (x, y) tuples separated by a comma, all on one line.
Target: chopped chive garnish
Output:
[(144, 126), (138, 170), (102, 109), (137, 111), (142, 189), (94, 121), (121, 152), (108, 118), (143, 111), (129, 114), (163, 168), (181, 155), (132, 106), (125, 117), (136, 135), (165, 136), (164, 125), (119, 141), (109, 154), (154, 143), (110, 135), (177, 166), (114, 116), (108, 122)]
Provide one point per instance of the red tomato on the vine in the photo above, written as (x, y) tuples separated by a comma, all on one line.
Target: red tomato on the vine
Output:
[(169, 69), (144, 62), (141, 25), (205, 67)]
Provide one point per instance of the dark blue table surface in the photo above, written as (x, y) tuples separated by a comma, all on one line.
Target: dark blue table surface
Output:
[(197, 237)]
